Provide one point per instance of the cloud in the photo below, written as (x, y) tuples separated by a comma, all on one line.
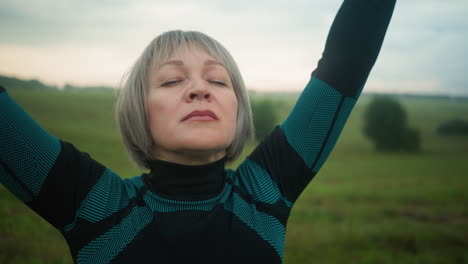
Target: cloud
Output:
[(427, 41), (276, 43)]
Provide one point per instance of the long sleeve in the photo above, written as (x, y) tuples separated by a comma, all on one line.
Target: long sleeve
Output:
[(51, 176), (295, 151)]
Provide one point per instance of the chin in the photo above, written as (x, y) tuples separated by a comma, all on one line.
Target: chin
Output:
[(206, 145), (206, 142)]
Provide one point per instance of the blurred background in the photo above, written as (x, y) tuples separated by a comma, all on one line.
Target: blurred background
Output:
[(393, 189)]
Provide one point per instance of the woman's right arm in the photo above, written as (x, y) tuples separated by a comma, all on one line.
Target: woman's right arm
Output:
[(290, 157), (50, 176)]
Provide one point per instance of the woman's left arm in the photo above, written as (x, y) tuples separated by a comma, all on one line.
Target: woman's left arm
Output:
[(295, 151)]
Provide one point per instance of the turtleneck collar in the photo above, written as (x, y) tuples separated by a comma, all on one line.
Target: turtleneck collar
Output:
[(185, 182)]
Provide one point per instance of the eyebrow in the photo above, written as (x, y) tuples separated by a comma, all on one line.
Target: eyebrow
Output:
[(213, 62), (173, 62), (181, 63)]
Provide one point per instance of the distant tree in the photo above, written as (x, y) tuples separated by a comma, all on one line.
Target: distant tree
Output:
[(15, 83), (453, 127), (386, 124), (264, 117)]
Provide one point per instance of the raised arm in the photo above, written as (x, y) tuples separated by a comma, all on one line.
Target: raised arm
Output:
[(50, 176), (295, 151), (353, 44)]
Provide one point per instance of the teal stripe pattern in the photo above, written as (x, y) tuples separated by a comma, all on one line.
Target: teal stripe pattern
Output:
[(108, 195), (108, 245), (7, 180), (134, 185), (342, 117), (308, 125), (254, 180), (26, 148), (161, 205), (267, 226)]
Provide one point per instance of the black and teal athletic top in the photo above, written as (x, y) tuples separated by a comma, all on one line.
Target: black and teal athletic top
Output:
[(195, 214)]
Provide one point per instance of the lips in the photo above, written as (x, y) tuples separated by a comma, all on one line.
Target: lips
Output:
[(205, 115)]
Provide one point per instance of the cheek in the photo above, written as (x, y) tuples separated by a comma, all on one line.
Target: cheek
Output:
[(158, 112), (155, 107)]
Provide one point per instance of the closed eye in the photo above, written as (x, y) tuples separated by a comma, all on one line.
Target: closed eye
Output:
[(218, 83), (171, 83)]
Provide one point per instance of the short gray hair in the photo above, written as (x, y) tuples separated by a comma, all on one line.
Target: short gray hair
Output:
[(130, 109)]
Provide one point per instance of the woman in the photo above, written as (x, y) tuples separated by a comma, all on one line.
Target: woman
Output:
[(183, 114)]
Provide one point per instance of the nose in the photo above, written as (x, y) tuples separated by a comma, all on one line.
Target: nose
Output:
[(197, 93)]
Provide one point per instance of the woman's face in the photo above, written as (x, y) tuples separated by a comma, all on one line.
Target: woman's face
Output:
[(192, 108)]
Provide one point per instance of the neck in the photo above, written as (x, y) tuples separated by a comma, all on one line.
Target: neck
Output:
[(184, 182), (191, 158)]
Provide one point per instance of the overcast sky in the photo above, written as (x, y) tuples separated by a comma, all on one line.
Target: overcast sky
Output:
[(276, 43)]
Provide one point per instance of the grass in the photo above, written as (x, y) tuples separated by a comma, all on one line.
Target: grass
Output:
[(390, 208), (362, 207)]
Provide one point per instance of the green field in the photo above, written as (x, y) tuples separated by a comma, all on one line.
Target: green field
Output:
[(362, 207)]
